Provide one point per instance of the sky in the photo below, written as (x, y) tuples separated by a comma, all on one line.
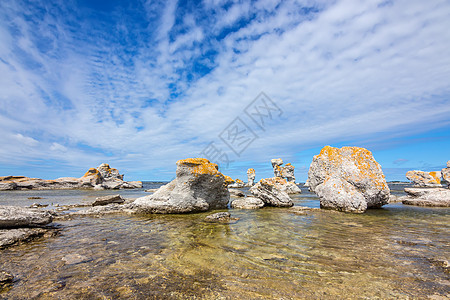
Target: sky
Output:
[(142, 84)]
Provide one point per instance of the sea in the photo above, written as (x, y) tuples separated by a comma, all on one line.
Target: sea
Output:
[(395, 252)]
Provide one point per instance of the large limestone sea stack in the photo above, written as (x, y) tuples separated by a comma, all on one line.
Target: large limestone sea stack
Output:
[(198, 186), (348, 179)]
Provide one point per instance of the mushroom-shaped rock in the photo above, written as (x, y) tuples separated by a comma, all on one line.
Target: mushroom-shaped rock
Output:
[(198, 186), (344, 178), (424, 179), (15, 216), (251, 177), (269, 190)]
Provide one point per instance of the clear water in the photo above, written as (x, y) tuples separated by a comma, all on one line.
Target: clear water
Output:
[(397, 252)]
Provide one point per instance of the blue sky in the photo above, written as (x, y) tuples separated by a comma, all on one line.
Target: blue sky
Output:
[(141, 84)]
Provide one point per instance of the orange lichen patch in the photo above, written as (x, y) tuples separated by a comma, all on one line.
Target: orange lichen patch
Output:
[(289, 165), (436, 177), (273, 181), (238, 181), (90, 172), (251, 171), (200, 166), (228, 180)]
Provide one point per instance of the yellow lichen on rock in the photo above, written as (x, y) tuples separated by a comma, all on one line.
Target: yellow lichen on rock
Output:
[(436, 177), (90, 172), (228, 180), (200, 166)]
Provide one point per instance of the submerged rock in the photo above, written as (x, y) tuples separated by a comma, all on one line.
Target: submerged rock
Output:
[(348, 179), (15, 216), (247, 203), (435, 197), (198, 186), (108, 200), (221, 217), (424, 179), (269, 190), (9, 237), (251, 175)]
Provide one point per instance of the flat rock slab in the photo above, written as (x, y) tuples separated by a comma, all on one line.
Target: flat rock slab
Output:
[(247, 203), (9, 237), (236, 193), (108, 200), (433, 197), (15, 216)]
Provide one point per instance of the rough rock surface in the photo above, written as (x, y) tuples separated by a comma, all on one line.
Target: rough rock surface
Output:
[(424, 179), (198, 186), (345, 178), (103, 177), (269, 190), (236, 193), (228, 180), (251, 177), (276, 165), (15, 216), (446, 174), (247, 203), (237, 184), (9, 237), (436, 197), (220, 217), (108, 200), (288, 172), (5, 278)]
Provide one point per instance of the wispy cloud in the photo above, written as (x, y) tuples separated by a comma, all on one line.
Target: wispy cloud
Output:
[(144, 84)]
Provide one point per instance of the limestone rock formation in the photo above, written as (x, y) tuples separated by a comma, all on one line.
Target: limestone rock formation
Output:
[(251, 177), (269, 190), (348, 179), (198, 186), (424, 179), (446, 174), (436, 197), (288, 172), (237, 184), (103, 177), (276, 165), (228, 180), (247, 203), (15, 216)]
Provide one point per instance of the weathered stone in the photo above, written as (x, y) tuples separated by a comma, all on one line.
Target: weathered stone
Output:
[(446, 174), (221, 217), (15, 216), (10, 237), (269, 190), (5, 278), (251, 177), (108, 200), (288, 172), (198, 186), (424, 179), (106, 178), (247, 203), (228, 180), (236, 193), (435, 197), (237, 184), (344, 178), (290, 188)]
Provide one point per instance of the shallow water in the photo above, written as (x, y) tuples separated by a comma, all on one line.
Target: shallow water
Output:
[(396, 252)]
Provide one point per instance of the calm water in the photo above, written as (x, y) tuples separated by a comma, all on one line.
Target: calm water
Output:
[(396, 252)]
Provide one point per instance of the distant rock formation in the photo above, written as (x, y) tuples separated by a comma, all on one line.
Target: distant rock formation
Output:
[(435, 197), (103, 177), (270, 191), (251, 177), (198, 186), (286, 171), (348, 179), (424, 179), (446, 174), (237, 184)]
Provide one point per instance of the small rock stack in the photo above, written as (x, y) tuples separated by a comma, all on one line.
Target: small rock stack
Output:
[(251, 177)]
